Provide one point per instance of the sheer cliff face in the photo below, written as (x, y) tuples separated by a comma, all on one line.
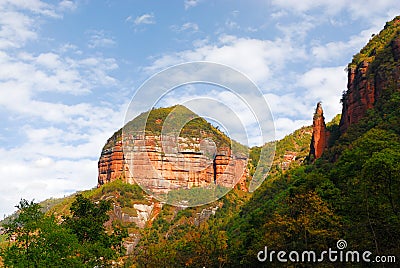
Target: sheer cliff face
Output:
[(162, 167), (320, 135), (362, 92), (373, 70)]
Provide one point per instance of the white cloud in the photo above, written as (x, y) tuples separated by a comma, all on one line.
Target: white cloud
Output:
[(51, 72), (330, 51), (48, 60), (99, 39), (278, 14), (288, 105), (284, 126), (372, 9), (58, 136), (35, 6), (326, 85), (291, 96), (259, 59), (296, 107), (16, 29), (191, 3), (143, 19), (306, 5), (42, 178), (20, 19), (188, 26), (44, 162), (299, 30), (333, 50), (358, 8), (67, 5), (68, 47), (59, 141), (53, 161)]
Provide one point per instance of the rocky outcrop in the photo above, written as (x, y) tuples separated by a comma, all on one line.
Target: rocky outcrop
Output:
[(320, 135), (145, 213), (371, 72), (164, 163), (111, 165), (288, 158), (360, 96), (204, 215)]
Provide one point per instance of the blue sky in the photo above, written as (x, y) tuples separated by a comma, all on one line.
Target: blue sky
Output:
[(68, 70)]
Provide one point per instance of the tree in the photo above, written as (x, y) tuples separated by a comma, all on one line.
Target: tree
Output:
[(39, 240), (382, 197), (87, 223)]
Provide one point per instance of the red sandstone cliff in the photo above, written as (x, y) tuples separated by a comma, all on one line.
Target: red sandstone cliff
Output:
[(155, 163), (371, 72), (320, 135), (360, 96), (374, 70)]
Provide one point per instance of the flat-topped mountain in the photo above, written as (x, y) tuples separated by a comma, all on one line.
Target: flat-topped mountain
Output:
[(172, 148)]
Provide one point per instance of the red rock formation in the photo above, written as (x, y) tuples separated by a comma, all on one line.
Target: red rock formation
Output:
[(361, 95), (370, 77), (320, 135), (166, 163), (111, 164)]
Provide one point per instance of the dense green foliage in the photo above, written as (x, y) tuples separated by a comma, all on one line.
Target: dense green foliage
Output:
[(188, 237), (196, 195), (298, 141), (87, 223), (40, 240), (377, 43)]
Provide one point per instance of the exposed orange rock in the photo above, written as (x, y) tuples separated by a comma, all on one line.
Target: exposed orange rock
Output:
[(320, 135), (288, 158), (369, 78), (111, 164), (166, 163), (360, 96), (372, 71)]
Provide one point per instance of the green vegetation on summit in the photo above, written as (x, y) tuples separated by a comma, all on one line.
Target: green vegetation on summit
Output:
[(180, 121), (378, 43)]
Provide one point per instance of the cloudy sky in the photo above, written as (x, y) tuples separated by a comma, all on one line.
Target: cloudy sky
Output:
[(68, 70)]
